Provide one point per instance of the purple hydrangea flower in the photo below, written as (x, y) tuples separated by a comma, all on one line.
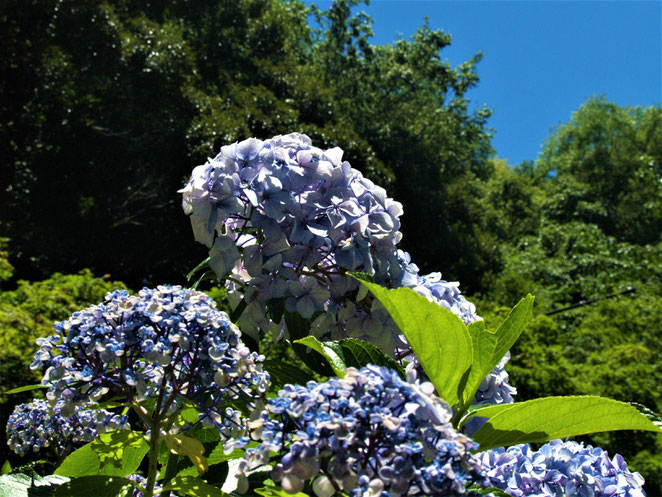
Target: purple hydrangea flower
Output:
[(560, 468), (35, 426), (167, 343), (368, 434), (287, 220)]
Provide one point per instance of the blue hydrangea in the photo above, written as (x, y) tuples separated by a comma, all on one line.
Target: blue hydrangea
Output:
[(369, 434), (286, 220), (35, 426), (558, 469), (166, 343)]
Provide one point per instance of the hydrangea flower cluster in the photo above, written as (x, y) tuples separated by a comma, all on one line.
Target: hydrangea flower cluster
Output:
[(35, 426), (369, 434), (560, 468), (166, 343), (286, 221)]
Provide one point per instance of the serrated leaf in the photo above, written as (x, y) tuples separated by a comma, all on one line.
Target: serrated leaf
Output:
[(484, 343), (283, 373), (358, 353), (25, 388), (331, 354), (541, 420), (438, 337), (512, 327), (98, 486), (490, 347), (22, 485), (190, 485), (189, 447)]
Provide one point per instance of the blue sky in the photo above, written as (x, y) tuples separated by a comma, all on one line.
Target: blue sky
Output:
[(541, 59)]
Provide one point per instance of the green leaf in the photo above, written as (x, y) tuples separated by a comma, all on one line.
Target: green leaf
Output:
[(114, 453), (22, 485), (277, 492), (25, 388), (218, 456), (6, 468), (330, 352), (120, 452), (298, 328), (541, 420), (197, 268), (358, 353), (512, 327), (81, 462), (484, 344), (490, 347), (190, 485), (283, 373), (97, 486), (438, 337), (189, 447)]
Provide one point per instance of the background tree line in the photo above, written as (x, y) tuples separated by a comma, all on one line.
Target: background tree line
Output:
[(107, 106)]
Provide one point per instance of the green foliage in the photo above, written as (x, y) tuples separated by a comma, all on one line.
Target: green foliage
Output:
[(160, 86), (580, 223), (549, 418), (115, 453), (99, 485), (350, 352), (438, 337), (190, 485)]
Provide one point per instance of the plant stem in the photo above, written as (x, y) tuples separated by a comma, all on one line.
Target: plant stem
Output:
[(152, 472)]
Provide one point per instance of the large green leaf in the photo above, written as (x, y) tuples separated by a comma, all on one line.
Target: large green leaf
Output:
[(438, 337), (97, 486), (115, 453), (190, 485), (22, 485), (540, 420), (490, 347)]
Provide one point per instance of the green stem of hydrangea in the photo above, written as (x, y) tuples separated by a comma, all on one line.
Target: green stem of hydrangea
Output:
[(152, 472)]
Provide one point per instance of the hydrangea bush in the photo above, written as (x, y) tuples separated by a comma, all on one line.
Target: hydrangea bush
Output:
[(307, 248), (286, 221)]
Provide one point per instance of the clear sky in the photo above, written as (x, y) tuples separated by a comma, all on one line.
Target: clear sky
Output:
[(541, 59)]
